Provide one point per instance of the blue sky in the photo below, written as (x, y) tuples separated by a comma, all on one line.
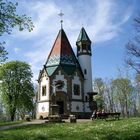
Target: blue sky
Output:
[(107, 22)]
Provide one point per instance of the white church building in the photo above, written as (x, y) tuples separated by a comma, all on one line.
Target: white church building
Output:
[(65, 79)]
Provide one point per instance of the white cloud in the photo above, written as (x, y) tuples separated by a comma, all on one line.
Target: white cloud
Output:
[(38, 57), (17, 50), (104, 26), (42, 13), (98, 19)]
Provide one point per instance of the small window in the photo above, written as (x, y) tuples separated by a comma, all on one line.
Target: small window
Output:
[(76, 89), (85, 71), (43, 90)]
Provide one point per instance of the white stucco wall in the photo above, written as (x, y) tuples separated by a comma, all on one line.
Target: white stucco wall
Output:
[(43, 107), (87, 109), (76, 80), (44, 82), (61, 77), (74, 105), (85, 62)]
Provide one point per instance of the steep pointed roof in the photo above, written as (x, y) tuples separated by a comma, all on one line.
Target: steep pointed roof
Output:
[(83, 36), (61, 55)]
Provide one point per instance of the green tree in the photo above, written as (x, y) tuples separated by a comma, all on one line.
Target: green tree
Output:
[(10, 19), (3, 53), (109, 97), (122, 89), (136, 97), (17, 88), (99, 98)]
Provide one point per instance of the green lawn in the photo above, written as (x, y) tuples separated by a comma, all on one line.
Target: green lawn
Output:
[(125, 129)]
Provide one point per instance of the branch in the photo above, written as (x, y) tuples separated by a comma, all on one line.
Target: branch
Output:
[(132, 49), (134, 65)]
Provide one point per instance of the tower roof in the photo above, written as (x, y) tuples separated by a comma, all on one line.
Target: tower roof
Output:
[(83, 36), (61, 55)]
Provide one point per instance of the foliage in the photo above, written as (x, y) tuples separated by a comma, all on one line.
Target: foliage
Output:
[(17, 89), (3, 53), (10, 19), (122, 90), (119, 95), (109, 97), (136, 98), (99, 98), (126, 129)]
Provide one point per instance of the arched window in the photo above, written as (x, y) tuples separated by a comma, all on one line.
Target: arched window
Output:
[(76, 89), (43, 90)]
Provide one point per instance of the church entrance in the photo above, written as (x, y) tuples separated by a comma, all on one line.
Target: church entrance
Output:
[(61, 106)]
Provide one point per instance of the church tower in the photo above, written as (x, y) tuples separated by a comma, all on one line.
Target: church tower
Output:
[(84, 57)]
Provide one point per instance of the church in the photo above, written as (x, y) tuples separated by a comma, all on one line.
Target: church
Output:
[(66, 79)]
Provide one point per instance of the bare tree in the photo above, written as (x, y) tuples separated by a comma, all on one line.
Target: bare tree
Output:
[(133, 47)]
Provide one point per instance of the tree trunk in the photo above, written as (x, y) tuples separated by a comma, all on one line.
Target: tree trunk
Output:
[(12, 117), (12, 113), (126, 109)]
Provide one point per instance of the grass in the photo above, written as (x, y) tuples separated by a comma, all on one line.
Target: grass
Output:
[(126, 129), (4, 123)]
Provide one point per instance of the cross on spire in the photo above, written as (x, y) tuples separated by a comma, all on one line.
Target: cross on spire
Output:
[(61, 15)]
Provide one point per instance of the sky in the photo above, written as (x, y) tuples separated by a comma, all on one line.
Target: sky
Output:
[(108, 23)]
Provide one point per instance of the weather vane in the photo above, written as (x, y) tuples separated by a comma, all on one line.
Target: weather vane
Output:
[(61, 15)]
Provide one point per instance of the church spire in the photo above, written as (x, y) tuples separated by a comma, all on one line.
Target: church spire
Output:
[(61, 15), (83, 36), (61, 55), (83, 43)]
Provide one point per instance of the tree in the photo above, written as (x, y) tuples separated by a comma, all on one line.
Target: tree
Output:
[(132, 47), (99, 98), (10, 19), (3, 53), (109, 97), (122, 88), (17, 88), (136, 97)]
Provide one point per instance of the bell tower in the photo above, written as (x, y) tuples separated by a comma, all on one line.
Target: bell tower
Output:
[(84, 56)]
